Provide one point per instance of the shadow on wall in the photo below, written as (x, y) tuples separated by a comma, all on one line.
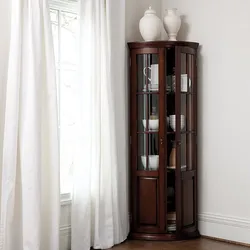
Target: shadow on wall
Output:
[(184, 29), (200, 132)]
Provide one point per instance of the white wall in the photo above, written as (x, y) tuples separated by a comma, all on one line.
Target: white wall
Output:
[(134, 12), (222, 28), (65, 225)]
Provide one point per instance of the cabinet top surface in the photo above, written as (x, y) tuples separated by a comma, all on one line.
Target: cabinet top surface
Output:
[(161, 44)]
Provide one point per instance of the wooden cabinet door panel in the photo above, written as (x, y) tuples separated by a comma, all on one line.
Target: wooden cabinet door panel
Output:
[(148, 205), (147, 201)]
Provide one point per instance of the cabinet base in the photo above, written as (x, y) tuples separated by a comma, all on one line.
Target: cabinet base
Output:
[(154, 237), (190, 235), (163, 237)]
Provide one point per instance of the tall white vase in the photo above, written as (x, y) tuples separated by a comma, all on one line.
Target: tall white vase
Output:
[(172, 23), (150, 25)]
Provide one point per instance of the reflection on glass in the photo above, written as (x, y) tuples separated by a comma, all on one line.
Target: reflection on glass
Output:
[(148, 152), (187, 99), (185, 77), (183, 152), (148, 112), (142, 159), (187, 73), (147, 73), (191, 164), (187, 151)]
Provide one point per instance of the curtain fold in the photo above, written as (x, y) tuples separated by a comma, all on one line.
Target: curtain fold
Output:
[(100, 195), (29, 158)]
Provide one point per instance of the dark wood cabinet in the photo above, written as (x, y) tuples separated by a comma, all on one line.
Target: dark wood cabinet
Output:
[(163, 140)]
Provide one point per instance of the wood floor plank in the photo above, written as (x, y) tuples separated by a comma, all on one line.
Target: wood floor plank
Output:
[(198, 244)]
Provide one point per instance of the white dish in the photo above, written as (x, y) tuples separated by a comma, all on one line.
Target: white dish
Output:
[(153, 125), (151, 87), (173, 122), (153, 162)]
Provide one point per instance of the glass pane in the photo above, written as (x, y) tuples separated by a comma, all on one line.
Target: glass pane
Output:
[(187, 115), (170, 142), (147, 73), (184, 152), (170, 109), (170, 70), (171, 209), (148, 152), (148, 126), (148, 112), (187, 108), (191, 152), (142, 159), (186, 68), (54, 24), (68, 38)]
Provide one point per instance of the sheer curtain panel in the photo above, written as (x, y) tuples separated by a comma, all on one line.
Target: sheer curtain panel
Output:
[(100, 196), (29, 161)]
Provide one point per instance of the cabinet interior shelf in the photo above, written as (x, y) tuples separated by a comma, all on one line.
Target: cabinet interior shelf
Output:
[(168, 133), (157, 92), (181, 132), (147, 92), (182, 93)]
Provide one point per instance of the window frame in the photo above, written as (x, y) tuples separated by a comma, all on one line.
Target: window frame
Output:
[(70, 6), (64, 5)]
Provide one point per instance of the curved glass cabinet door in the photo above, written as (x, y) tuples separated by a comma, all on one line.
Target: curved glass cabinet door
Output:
[(163, 140), (148, 112), (185, 137)]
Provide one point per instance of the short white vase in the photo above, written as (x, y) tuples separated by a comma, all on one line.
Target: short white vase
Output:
[(172, 23), (150, 25)]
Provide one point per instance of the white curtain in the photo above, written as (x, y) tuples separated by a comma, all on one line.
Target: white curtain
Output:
[(100, 196), (29, 160)]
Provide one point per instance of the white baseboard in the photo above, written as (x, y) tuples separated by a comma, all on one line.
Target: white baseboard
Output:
[(228, 228), (213, 225), (65, 236), (65, 221)]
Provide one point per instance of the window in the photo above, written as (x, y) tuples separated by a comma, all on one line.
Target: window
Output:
[(64, 20)]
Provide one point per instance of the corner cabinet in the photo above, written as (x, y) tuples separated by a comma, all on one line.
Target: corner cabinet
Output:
[(163, 140)]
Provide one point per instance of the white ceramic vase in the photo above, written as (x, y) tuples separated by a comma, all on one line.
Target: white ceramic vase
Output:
[(172, 23), (150, 25)]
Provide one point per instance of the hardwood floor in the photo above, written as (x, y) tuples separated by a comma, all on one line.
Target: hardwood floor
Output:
[(198, 244)]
